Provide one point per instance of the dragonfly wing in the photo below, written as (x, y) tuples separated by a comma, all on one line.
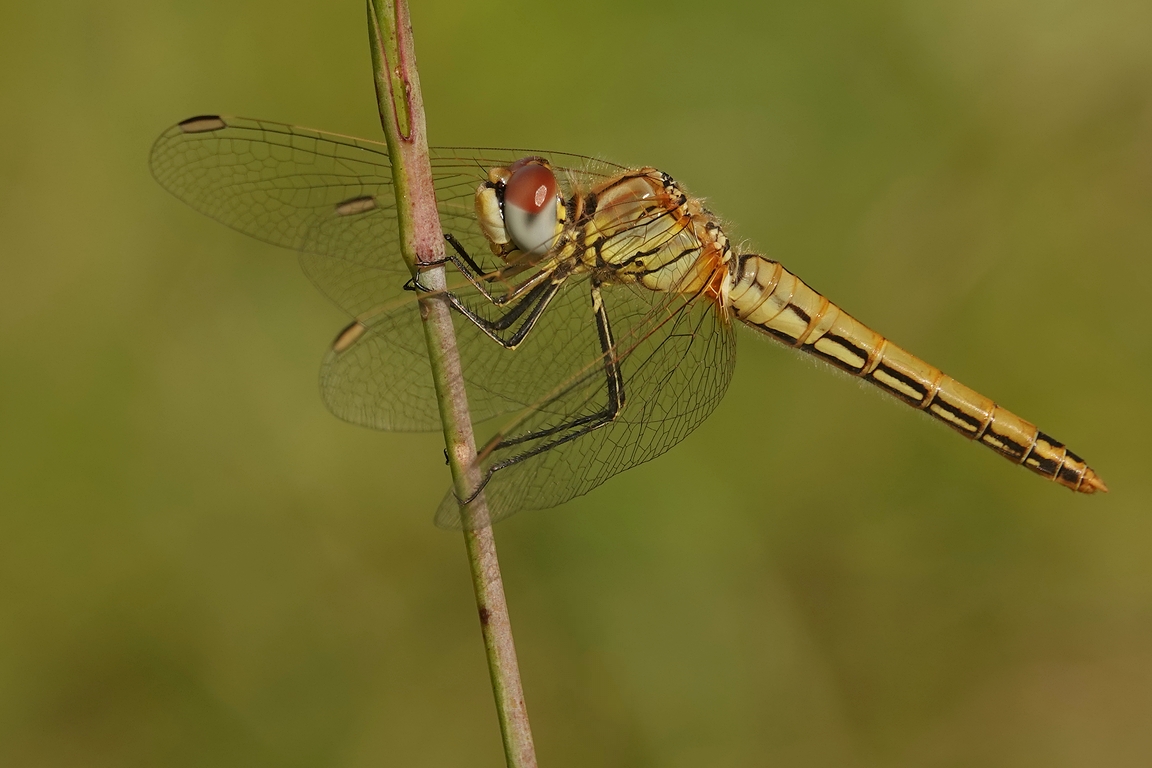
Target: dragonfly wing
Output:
[(330, 197), (377, 375), (371, 375), (276, 182), (676, 359), (385, 383)]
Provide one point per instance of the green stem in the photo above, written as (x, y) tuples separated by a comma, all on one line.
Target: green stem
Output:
[(422, 242)]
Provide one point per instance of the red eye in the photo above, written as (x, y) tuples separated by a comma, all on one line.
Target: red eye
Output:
[(531, 187), (531, 218)]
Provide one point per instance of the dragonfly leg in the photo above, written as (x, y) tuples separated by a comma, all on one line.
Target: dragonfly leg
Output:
[(536, 301), (463, 254), (570, 430), (482, 280)]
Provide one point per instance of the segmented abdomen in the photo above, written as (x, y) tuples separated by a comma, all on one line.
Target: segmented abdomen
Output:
[(773, 300)]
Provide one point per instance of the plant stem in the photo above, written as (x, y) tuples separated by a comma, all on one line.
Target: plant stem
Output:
[(421, 243)]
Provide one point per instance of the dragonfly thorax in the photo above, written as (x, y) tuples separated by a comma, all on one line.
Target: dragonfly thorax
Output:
[(648, 230), (636, 227)]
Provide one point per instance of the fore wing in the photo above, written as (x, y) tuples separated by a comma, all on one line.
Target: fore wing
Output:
[(330, 197)]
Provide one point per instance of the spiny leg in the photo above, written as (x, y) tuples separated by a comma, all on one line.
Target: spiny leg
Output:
[(462, 253), (576, 427), (476, 275), (537, 301)]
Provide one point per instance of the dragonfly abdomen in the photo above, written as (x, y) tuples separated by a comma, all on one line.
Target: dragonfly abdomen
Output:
[(769, 298)]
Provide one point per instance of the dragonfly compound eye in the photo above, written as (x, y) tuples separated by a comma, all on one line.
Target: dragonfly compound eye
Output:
[(531, 207)]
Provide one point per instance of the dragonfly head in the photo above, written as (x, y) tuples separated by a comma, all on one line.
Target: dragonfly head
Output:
[(521, 204)]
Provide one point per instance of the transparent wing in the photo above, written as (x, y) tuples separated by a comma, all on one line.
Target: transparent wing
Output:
[(330, 197), (351, 251), (676, 356), (278, 182), (373, 375)]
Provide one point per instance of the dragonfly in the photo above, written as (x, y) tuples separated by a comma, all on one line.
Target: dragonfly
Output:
[(595, 304)]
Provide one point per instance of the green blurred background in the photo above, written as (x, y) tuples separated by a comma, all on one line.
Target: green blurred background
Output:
[(200, 567)]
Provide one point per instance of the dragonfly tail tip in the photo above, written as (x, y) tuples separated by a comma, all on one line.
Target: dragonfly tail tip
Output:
[(1092, 483)]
